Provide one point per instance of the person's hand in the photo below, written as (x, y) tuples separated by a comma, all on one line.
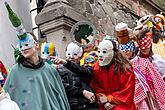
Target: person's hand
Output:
[(108, 106), (57, 60), (103, 99), (89, 95)]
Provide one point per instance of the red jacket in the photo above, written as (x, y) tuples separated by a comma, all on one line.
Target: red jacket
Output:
[(119, 88)]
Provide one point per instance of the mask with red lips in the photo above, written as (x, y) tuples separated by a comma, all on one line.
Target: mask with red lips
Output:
[(106, 52)]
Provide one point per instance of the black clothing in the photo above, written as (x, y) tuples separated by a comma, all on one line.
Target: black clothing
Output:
[(76, 78), (28, 64)]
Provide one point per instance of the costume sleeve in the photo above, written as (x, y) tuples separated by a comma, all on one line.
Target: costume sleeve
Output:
[(84, 72), (71, 90), (95, 86), (158, 82), (126, 94)]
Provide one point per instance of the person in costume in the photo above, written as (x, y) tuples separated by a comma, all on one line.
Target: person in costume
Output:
[(154, 25), (158, 35), (126, 42), (159, 23), (3, 73), (5, 102), (47, 50), (34, 79), (76, 79), (113, 78), (150, 87), (32, 83), (156, 58), (88, 55)]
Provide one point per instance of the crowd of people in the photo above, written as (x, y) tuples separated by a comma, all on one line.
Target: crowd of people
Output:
[(122, 72)]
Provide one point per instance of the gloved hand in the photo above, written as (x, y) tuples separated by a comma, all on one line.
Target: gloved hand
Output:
[(17, 55), (103, 99), (57, 60), (89, 95), (108, 106)]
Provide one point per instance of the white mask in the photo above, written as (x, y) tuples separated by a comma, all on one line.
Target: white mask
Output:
[(74, 51), (106, 52), (26, 43)]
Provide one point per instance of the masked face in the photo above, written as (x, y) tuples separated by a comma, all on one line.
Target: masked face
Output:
[(26, 43), (106, 53), (74, 52), (47, 49)]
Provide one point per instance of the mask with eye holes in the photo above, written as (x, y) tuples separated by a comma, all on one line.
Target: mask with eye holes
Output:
[(48, 49), (26, 43), (106, 52), (73, 51)]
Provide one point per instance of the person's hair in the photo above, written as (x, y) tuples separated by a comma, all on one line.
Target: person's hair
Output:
[(34, 37), (151, 52), (121, 63), (155, 35)]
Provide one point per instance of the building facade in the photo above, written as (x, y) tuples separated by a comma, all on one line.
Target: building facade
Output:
[(58, 16)]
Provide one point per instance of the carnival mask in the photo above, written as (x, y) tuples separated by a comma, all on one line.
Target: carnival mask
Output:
[(74, 51), (106, 52), (48, 49), (26, 43)]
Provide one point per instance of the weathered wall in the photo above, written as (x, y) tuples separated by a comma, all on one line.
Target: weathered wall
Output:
[(106, 13)]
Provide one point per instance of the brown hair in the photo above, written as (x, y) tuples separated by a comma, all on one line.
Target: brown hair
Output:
[(120, 62), (156, 35)]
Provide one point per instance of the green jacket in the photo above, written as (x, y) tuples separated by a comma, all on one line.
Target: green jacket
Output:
[(36, 89)]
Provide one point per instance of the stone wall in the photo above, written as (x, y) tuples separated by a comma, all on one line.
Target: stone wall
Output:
[(105, 14), (58, 16)]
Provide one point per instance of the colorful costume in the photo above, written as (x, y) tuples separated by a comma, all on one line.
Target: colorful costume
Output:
[(117, 86), (127, 47), (158, 45), (89, 58), (155, 82), (122, 33), (3, 73), (47, 50), (150, 87), (33, 85)]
